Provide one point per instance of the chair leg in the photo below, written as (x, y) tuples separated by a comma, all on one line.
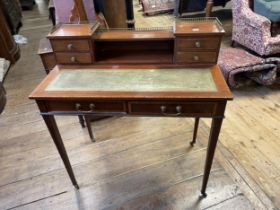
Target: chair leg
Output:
[(195, 131), (87, 119)]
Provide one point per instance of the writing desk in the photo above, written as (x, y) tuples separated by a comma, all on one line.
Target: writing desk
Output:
[(189, 42), (134, 91)]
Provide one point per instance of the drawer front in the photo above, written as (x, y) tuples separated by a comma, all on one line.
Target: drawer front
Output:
[(172, 108), (184, 44), (71, 45), (87, 106), (196, 57), (73, 58)]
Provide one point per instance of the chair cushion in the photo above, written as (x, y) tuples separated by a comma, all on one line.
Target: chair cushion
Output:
[(268, 8)]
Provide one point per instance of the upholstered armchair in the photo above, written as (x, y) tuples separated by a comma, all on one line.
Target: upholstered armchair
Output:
[(252, 30)]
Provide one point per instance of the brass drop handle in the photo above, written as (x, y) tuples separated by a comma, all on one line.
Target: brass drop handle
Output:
[(92, 107), (197, 44), (70, 46), (163, 109), (73, 59), (78, 107), (196, 58), (178, 110)]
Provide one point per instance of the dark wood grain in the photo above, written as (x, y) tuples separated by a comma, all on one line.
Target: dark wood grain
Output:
[(73, 58), (208, 9), (213, 139), (188, 108), (133, 35), (197, 43), (46, 54), (115, 13), (9, 49), (152, 46), (196, 57), (70, 45), (54, 132)]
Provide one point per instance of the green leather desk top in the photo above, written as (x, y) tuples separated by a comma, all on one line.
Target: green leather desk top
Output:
[(128, 80)]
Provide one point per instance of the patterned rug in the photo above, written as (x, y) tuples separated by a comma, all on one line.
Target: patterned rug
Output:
[(241, 68), (151, 7)]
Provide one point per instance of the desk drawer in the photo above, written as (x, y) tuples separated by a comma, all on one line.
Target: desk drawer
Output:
[(172, 108), (73, 58), (86, 106), (184, 44), (196, 57), (62, 45)]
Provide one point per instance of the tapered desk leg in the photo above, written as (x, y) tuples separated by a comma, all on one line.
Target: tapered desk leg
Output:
[(51, 124), (81, 120), (213, 138), (87, 119), (195, 131)]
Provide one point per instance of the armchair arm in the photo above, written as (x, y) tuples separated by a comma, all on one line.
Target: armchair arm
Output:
[(273, 45), (255, 20), (275, 41)]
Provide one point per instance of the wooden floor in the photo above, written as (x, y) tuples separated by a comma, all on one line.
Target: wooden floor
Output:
[(148, 166)]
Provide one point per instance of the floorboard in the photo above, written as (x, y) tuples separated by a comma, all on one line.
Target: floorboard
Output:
[(148, 166)]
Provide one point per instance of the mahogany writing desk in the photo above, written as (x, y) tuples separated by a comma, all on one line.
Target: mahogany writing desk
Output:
[(134, 91), (189, 42)]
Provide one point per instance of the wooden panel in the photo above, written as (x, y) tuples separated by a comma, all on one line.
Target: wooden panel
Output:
[(135, 45), (8, 47), (48, 61), (111, 106), (198, 27), (135, 57), (70, 45), (198, 43), (171, 108), (115, 13), (44, 46), (135, 35), (73, 58), (131, 52), (196, 57), (73, 31)]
